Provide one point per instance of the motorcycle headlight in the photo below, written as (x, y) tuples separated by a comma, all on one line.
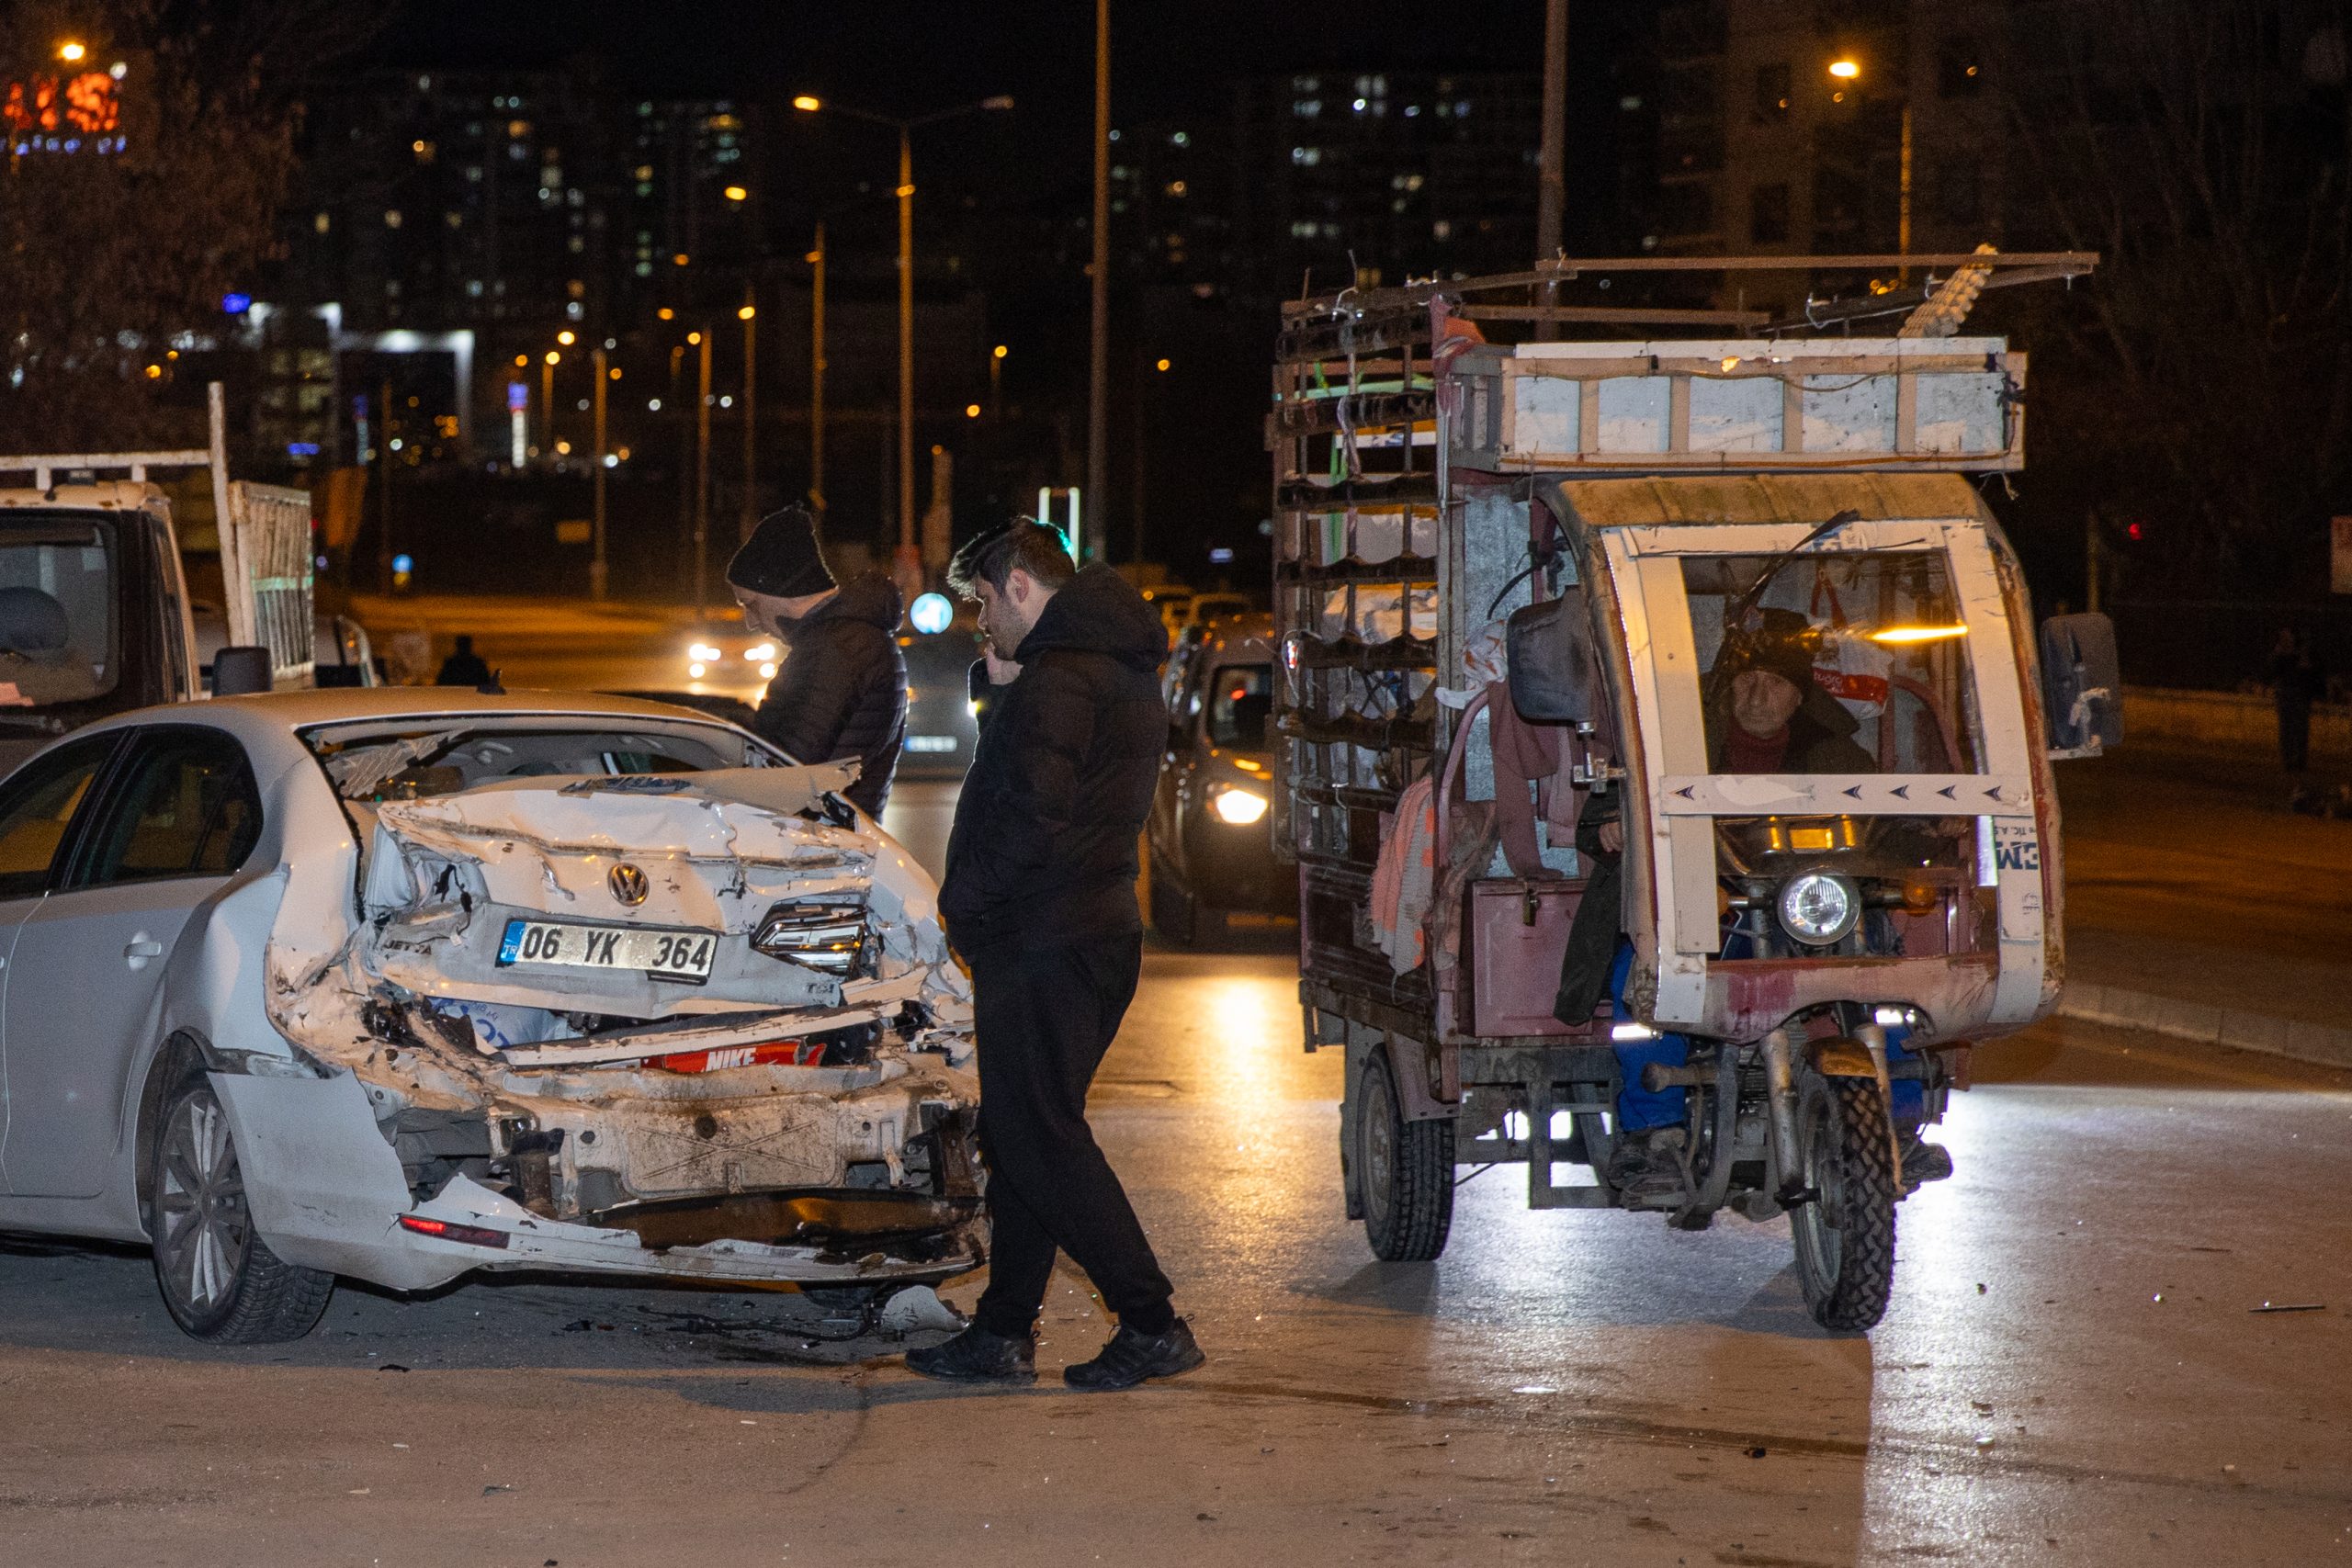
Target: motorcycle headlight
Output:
[(1239, 806), (1817, 908), (826, 935)]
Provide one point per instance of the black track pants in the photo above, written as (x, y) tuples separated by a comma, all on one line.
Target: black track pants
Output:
[(1043, 1020)]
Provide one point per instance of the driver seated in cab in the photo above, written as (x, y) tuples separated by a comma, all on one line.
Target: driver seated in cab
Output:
[(1766, 714)]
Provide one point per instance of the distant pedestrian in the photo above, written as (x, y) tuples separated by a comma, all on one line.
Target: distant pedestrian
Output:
[(2295, 683), (464, 666), (841, 691), (1040, 899)]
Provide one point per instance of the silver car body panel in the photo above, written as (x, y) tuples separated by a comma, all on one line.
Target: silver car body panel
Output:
[(283, 979)]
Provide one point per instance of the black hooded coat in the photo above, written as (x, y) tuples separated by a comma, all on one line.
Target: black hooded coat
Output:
[(1043, 852), (842, 690)]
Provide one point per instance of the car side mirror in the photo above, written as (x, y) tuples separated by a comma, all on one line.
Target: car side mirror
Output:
[(1552, 665), (2082, 685), (239, 672)]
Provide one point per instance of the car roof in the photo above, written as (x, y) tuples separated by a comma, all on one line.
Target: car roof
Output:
[(280, 713)]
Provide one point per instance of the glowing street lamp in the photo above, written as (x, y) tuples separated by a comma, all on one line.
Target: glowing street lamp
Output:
[(1846, 68), (71, 52)]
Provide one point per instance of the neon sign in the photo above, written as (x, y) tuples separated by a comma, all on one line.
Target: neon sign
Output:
[(47, 115)]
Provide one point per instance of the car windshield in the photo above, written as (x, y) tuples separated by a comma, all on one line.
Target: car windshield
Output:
[(1842, 663), (57, 610), (1239, 698)]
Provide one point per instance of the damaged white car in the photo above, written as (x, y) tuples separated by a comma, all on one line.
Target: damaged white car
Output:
[(396, 986)]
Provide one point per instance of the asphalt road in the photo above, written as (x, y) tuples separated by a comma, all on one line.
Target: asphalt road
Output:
[(2072, 1371)]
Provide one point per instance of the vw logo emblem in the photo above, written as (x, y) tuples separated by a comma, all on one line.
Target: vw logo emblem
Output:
[(628, 884)]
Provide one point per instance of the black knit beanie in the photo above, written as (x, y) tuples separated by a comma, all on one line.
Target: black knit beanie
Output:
[(1780, 643), (781, 558)]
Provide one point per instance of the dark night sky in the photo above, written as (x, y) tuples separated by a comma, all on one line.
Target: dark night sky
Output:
[(908, 56)]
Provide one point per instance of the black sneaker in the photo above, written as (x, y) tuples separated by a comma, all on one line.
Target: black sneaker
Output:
[(1130, 1358), (1924, 1162), (977, 1356)]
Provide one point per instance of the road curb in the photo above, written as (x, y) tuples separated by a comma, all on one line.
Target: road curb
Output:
[(2328, 1044)]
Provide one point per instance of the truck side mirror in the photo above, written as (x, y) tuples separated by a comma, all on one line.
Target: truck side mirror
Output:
[(2082, 685), (239, 672), (1552, 663)]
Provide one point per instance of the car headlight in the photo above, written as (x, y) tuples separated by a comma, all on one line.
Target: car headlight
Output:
[(764, 653), (1239, 806), (1817, 908), (705, 653), (824, 934)]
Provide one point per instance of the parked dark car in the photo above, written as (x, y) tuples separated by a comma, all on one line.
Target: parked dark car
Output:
[(1211, 831), (941, 728)]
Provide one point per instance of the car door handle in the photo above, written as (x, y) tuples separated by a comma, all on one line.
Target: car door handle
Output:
[(140, 949)]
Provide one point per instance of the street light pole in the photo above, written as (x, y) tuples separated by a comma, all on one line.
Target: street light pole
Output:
[(749, 516), (702, 471), (1098, 400), (817, 383), (1551, 188), (910, 561), (596, 568)]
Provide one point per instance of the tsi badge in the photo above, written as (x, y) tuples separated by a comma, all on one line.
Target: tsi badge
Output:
[(628, 884)]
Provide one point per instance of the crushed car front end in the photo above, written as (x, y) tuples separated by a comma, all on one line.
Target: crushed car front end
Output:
[(622, 1002)]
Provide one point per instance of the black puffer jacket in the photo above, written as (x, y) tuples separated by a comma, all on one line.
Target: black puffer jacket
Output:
[(842, 688), (1044, 848)]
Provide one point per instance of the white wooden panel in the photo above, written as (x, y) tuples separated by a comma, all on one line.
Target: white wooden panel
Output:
[(1959, 414), (1850, 413), (1634, 411), (1549, 413), (1736, 414)]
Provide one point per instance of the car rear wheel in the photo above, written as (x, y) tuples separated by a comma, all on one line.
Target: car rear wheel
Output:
[(1845, 1235), (1407, 1170), (219, 1279)]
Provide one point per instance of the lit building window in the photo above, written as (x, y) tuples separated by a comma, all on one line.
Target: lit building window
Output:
[(1442, 229), (321, 222), (392, 218)]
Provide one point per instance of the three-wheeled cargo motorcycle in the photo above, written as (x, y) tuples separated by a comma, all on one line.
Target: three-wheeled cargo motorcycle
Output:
[(1665, 746)]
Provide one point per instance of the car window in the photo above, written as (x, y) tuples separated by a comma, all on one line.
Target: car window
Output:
[(1241, 696), (37, 806), (185, 805)]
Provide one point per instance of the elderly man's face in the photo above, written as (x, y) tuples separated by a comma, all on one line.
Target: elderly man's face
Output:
[(1761, 702)]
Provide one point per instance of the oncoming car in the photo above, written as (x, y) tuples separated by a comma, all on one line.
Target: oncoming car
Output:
[(1210, 831), (397, 985), (725, 658)]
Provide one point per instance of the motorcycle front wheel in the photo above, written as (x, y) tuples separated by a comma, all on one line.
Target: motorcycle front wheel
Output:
[(1845, 1236)]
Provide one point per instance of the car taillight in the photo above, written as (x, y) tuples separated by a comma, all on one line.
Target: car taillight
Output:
[(828, 936), (471, 1235), (773, 1053)]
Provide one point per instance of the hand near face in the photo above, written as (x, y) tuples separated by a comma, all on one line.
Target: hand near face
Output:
[(1002, 671)]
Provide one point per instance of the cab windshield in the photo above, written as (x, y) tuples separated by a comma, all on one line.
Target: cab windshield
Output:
[(1840, 664), (57, 612)]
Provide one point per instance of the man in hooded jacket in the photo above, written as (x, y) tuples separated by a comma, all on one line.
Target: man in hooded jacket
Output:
[(1040, 899), (841, 691)]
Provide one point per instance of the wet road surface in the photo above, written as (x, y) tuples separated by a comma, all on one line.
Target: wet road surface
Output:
[(2072, 1370)]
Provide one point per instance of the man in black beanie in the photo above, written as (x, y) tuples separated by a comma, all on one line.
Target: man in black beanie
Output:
[(841, 691)]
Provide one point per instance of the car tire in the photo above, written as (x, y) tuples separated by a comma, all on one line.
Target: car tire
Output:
[(1845, 1234), (220, 1280), (1405, 1169)]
